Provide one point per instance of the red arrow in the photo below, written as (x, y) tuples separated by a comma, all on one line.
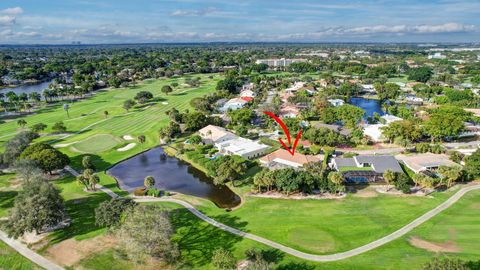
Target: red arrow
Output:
[(287, 133)]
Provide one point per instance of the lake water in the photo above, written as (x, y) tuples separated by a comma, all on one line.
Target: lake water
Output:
[(171, 174), (39, 87), (369, 105)]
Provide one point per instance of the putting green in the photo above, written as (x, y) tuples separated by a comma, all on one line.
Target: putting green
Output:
[(96, 143)]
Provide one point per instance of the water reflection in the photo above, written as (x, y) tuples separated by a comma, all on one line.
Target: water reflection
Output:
[(171, 174)]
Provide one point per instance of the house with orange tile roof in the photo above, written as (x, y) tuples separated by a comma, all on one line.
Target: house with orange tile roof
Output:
[(282, 159), (289, 111)]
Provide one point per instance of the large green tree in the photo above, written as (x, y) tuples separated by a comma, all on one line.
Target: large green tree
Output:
[(37, 207), (147, 233), (47, 157)]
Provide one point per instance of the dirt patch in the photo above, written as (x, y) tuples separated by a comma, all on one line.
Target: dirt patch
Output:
[(448, 246), (475, 206), (365, 194), (71, 251), (296, 196)]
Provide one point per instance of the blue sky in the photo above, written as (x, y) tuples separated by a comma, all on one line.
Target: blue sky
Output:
[(119, 21)]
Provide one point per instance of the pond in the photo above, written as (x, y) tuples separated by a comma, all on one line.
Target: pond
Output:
[(39, 87), (369, 105), (171, 174)]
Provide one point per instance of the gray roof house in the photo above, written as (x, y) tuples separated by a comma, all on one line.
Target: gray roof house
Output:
[(361, 169)]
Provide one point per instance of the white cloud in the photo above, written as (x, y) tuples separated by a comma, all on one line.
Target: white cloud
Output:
[(7, 20), (200, 12), (12, 11), (399, 29)]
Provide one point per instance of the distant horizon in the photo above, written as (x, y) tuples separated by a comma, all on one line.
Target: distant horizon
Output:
[(194, 21), (427, 44)]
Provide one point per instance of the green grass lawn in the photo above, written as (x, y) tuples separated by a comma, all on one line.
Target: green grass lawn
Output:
[(197, 240), (346, 169), (11, 260), (325, 226), (96, 144)]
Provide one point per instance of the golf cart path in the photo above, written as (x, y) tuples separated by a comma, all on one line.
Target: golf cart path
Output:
[(311, 257), (28, 253)]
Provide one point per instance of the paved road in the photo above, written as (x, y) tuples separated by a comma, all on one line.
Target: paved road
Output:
[(28, 253), (381, 151)]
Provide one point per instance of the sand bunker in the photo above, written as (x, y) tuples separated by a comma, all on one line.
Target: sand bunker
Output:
[(448, 246), (60, 145), (165, 103), (126, 147), (128, 137)]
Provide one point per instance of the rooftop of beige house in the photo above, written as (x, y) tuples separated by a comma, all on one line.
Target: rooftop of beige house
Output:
[(420, 162), (214, 133), (284, 157)]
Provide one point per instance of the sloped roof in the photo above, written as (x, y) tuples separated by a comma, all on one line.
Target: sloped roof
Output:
[(380, 163), (283, 155), (214, 133)]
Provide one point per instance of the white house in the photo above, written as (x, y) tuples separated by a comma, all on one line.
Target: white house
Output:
[(336, 102), (248, 86), (247, 93), (242, 147), (388, 118), (214, 134), (375, 131), (296, 86), (369, 88), (437, 55), (233, 104)]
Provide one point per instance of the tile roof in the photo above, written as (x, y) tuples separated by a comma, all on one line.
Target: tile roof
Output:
[(284, 157)]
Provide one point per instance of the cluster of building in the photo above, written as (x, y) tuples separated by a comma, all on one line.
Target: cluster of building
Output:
[(356, 169), (246, 95), (280, 62)]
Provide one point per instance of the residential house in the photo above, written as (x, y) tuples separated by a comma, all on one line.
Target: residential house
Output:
[(336, 102), (425, 162), (247, 93), (245, 148), (289, 111), (230, 144), (296, 86), (368, 88), (322, 83), (283, 159), (248, 86), (337, 128), (388, 118), (411, 99), (233, 104), (284, 97), (214, 134), (364, 169), (374, 131)]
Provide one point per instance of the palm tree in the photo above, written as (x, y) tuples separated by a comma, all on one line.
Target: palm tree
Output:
[(66, 107), (12, 98), (389, 177), (141, 140), (22, 123)]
